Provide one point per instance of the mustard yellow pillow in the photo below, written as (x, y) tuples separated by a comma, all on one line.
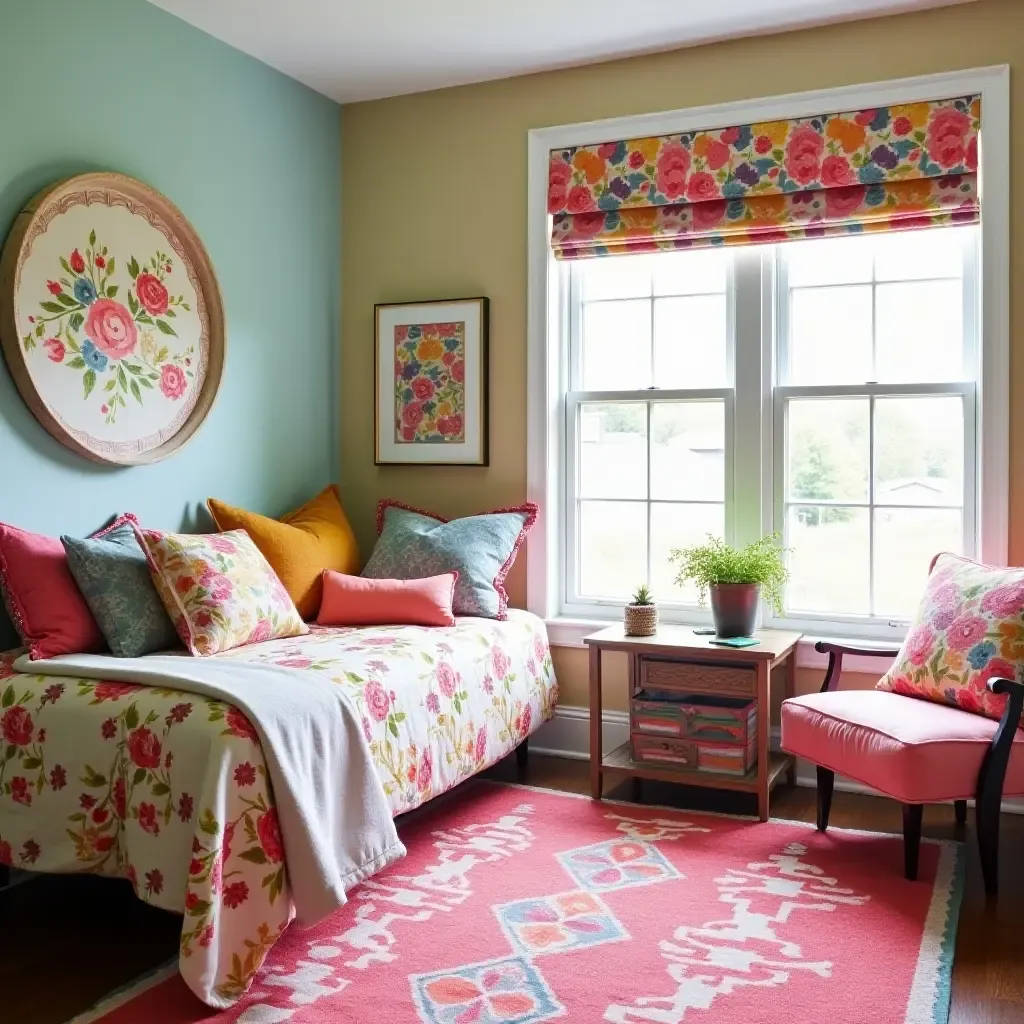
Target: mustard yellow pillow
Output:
[(300, 545)]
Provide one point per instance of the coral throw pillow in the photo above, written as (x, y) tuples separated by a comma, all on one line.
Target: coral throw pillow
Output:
[(968, 630), (299, 546), (219, 591), (49, 612), (481, 549), (354, 601)]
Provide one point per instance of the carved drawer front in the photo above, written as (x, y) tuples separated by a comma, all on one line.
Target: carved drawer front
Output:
[(697, 677), (659, 750)]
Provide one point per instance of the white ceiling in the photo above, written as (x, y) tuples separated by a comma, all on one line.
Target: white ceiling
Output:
[(365, 49)]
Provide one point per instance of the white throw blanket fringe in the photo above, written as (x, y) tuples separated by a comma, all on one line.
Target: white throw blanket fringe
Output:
[(335, 821)]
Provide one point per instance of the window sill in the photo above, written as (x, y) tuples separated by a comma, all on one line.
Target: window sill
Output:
[(570, 632)]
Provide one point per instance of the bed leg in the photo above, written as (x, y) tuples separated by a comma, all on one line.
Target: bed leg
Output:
[(522, 757)]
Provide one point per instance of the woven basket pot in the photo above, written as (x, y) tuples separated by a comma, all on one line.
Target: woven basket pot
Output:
[(641, 619)]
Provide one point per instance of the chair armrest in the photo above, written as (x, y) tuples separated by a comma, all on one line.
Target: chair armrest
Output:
[(835, 654), (1014, 706), (993, 768)]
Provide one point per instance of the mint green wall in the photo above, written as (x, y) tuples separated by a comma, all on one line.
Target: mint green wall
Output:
[(253, 159)]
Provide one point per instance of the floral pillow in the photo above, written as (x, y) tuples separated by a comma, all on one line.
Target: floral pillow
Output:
[(219, 590), (968, 630)]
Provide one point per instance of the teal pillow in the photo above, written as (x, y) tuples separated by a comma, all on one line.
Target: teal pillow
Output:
[(414, 544), (113, 576)]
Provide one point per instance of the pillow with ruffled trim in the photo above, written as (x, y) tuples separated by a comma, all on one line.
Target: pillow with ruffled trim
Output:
[(413, 544)]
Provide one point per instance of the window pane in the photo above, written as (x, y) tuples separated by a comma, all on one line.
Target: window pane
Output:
[(827, 449), (689, 342), (842, 260), (901, 255), (829, 560), (690, 273), (623, 277), (679, 526), (919, 451), (613, 548), (830, 335), (906, 540), (617, 345), (919, 333), (688, 451), (613, 450)]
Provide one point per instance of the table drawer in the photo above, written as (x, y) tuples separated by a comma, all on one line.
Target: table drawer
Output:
[(698, 677), (660, 750)]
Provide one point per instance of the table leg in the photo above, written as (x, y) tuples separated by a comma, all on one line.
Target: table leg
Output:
[(791, 692), (763, 714), (596, 746)]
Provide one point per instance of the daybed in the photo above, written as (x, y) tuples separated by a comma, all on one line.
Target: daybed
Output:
[(170, 789)]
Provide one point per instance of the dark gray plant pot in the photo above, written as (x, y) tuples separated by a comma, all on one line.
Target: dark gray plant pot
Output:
[(734, 608)]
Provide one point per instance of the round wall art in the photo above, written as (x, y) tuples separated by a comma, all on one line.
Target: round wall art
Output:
[(111, 318)]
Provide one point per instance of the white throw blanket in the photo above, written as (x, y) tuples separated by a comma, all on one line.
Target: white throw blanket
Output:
[(335, 821)]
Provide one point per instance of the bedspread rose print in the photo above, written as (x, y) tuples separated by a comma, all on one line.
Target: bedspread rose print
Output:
[(116, 334), (430, 383)]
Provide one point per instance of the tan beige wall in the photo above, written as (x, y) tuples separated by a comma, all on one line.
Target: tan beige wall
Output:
[(434, 206)]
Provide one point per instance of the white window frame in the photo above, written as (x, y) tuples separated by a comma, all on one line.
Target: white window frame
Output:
[(753, 493), (570, 602), (850, 625)]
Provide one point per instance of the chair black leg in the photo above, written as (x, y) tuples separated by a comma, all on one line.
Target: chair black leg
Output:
[(911, 838), (522, 757), (988, 796), (826, 780), (987, 825), (960, 809)]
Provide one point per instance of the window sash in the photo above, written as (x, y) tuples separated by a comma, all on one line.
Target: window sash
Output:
[(573, 602), (870, 625)]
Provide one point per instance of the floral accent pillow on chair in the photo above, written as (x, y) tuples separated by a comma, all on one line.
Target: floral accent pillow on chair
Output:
[(219, 590), (969, 629)]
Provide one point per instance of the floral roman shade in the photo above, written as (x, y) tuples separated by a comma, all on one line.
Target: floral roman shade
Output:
[(887, 169)]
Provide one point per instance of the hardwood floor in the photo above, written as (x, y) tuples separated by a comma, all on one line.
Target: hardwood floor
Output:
[(65, 942)]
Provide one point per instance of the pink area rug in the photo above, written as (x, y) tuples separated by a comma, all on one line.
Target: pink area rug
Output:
[(518, 905)]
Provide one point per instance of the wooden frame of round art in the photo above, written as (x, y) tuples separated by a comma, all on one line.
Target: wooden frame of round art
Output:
[(111, 189)]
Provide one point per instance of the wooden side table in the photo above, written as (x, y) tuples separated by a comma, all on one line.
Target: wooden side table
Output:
[(676, 658)]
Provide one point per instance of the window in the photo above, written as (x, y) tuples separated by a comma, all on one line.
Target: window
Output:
[(874, 427), (859, 357), (649, 415)]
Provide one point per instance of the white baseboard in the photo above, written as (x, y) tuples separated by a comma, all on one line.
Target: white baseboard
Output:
[(568, 735)]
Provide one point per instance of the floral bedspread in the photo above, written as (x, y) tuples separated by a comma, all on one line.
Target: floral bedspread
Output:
[(169, 789)]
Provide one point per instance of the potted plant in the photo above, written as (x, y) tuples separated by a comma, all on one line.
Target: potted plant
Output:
[(641, 614), (736, 579)]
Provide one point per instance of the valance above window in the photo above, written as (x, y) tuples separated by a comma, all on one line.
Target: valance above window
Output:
[(887, 169)]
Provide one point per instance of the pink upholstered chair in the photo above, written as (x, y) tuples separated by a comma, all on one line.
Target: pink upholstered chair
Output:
[(915, 751)]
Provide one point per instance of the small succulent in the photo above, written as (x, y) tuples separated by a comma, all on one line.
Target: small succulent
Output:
[(642, 595)]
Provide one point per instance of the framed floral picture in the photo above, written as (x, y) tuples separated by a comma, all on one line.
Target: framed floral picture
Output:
[(111, 318), (431, 383)]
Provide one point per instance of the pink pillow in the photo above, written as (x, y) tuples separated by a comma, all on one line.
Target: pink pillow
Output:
[(969, 629), (355, 601), (47, 607)]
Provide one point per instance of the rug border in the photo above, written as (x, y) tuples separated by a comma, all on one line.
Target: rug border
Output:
[(931, 989)]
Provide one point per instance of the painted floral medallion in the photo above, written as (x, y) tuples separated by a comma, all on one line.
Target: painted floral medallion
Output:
[(111, 318)]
